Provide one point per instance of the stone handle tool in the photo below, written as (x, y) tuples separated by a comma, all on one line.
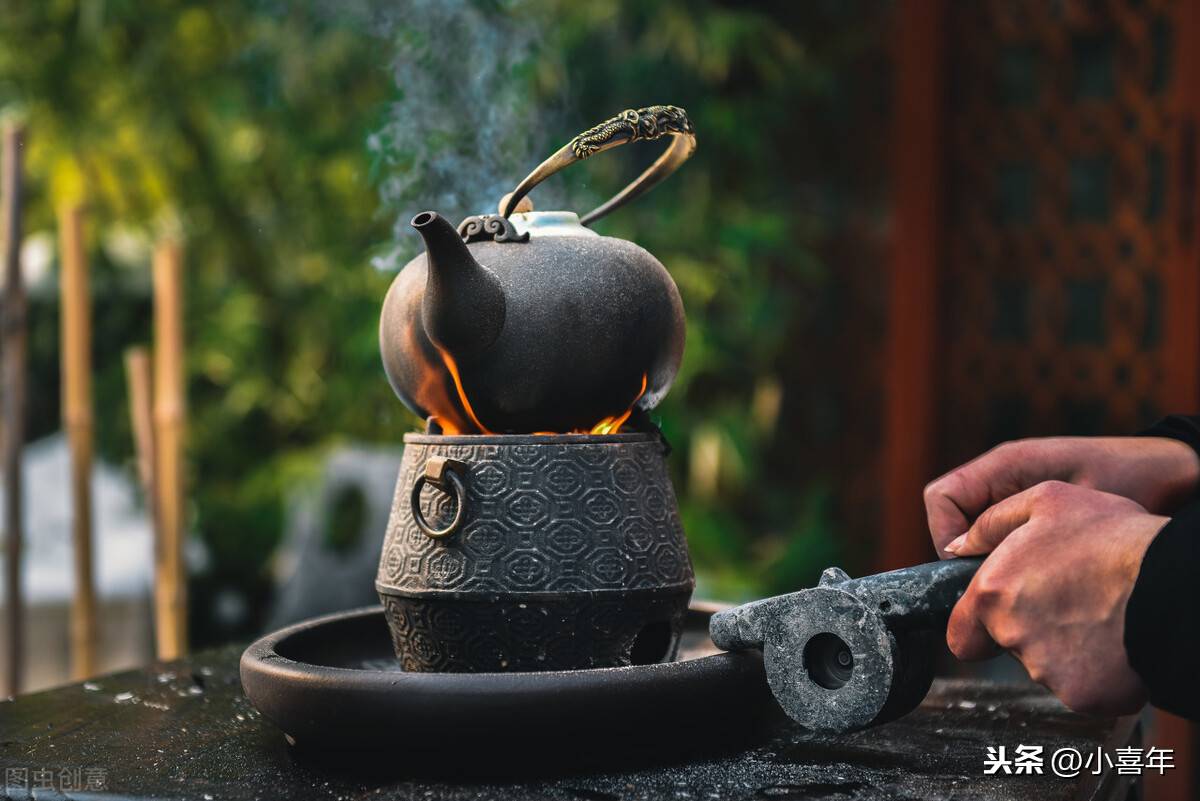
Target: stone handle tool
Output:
[(850, 653)]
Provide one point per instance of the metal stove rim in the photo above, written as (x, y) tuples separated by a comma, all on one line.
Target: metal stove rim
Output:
[(622, 438)]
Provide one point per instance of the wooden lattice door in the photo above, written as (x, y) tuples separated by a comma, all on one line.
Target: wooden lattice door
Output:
[(1058, 131), (1046, 276)]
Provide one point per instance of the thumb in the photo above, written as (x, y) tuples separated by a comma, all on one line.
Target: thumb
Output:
[(1001, 519)]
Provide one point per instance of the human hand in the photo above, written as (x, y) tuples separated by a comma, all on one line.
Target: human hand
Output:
[(1156, 472), (1062, 564)]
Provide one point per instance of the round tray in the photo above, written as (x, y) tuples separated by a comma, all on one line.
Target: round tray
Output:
[(333, 683)]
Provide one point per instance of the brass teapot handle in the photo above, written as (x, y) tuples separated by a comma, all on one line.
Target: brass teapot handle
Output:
[(632, 125)]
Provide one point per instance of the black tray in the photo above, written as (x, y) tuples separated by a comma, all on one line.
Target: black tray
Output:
[(333, 683)]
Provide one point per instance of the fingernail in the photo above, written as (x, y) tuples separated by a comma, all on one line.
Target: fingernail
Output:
[(955, 544)]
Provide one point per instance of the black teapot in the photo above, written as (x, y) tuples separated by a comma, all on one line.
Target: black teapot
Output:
[(528, 321)]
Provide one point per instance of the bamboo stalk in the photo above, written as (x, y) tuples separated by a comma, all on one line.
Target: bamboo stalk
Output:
[(170, 586), (139, 379), (15, 333), (75, 310)]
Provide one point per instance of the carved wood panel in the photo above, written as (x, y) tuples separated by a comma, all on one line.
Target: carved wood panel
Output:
[(1056, 230)]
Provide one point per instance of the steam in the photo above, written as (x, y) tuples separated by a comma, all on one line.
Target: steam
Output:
[(467, 123)]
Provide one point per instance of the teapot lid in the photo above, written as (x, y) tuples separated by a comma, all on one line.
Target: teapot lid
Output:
[(539, 224)]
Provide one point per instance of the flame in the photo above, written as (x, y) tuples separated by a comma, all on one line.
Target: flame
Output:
[(433, 393), (462, 396), (609, 425)]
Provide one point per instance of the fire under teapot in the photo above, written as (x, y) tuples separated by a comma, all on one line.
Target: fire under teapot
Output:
[(530, 322)]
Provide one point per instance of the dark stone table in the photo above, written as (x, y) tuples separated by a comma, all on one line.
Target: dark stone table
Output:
[(185, 730)]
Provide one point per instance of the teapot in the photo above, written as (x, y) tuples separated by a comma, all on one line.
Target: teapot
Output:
[(530, 322)]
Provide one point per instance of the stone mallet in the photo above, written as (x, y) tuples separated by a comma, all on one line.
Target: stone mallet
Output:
[(850, 653)]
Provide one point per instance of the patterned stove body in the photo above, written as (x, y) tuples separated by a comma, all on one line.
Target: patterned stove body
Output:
[(547, 553)]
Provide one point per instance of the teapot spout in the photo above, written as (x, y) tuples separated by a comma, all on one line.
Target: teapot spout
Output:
[(463, 309)]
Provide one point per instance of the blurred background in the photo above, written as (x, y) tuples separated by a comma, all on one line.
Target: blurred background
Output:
[(911, 230), (288, 143)]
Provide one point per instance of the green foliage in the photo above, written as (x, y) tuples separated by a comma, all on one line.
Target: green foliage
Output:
[(244, 124), (264, 131)]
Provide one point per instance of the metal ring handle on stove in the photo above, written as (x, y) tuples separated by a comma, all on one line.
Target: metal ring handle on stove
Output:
[(443, 473), (632, 125)]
